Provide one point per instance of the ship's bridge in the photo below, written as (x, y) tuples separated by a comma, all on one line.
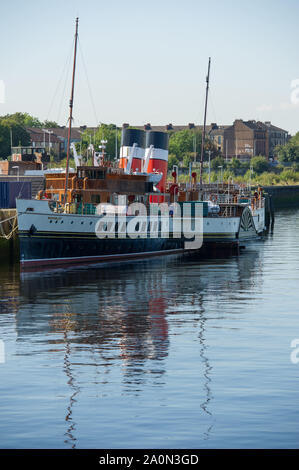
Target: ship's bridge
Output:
[(92, 173)]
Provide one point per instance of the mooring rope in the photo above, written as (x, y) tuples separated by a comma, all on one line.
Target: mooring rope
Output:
[(13, 227)]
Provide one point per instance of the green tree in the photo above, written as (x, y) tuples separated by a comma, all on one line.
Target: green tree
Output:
[(50, 124), (288, 175), (172, 160), (245, 165), (19, 137), (183, 142), (290, 151), (187, 159), (249, 175), (235, 164), (4, 141), (216, 162), (295, 166), (259, 164), (22, 119), (228, 175), (214, 176)]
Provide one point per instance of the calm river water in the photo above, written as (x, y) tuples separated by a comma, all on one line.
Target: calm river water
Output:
[(167, 353)]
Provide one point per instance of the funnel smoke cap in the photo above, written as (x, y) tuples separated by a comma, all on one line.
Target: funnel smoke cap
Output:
[(158, 139), (129, 137)]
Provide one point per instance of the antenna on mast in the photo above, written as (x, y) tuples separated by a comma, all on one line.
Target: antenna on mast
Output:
[(71, 116), (204, 125)]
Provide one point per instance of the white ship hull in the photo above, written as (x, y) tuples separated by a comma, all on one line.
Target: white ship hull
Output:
[(53, 238)]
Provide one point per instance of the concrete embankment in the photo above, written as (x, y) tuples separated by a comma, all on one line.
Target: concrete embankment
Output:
[(283, 196)]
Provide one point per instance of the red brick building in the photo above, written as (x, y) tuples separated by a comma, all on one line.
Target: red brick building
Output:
[(246, 139)]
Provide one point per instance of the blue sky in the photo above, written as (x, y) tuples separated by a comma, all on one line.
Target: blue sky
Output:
[(147, 61)]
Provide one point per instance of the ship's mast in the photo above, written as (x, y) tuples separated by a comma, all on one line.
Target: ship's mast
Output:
[(204, 125), (71, 116)]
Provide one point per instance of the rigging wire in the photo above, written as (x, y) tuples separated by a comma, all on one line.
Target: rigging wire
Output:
[(63, 96), (64, 70), (63, 81), (88, 83)]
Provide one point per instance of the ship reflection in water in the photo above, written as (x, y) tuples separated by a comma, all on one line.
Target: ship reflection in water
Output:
[(131, 341), (166, 353)]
